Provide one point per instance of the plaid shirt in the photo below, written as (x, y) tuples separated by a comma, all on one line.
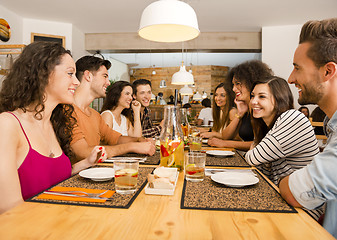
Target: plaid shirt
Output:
[(148, 129)]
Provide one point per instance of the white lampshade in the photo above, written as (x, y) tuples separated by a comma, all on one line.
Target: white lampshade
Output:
[(168, 21), (186, 91), (153, 97), (197, 96), (204, 95), (162, 84), (182, 77)]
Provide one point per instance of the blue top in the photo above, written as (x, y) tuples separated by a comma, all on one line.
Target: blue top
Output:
[(316, 184)]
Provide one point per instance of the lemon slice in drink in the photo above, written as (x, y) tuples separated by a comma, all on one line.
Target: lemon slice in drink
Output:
[(190, 165), (131, 172), (171, 161)]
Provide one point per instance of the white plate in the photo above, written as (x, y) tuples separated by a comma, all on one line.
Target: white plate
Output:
[(235, 179), (220, 153), (204, 141), (98, 174)]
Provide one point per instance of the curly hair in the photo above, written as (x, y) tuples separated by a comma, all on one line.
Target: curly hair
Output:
[(284, 101), (218, 121), (112, 97), (25, 85), (248, 72)]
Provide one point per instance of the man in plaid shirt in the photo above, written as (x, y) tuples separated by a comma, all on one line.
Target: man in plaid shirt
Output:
[(142, 92)]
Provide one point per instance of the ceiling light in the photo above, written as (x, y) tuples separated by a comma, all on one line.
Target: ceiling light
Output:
[(186, 91), (197, 96), (182, 77), (153, 97), (168, 21), (204, 95), (162, 84)]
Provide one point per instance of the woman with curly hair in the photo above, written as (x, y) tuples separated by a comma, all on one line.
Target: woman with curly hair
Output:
[(239, 133), (118, 114), (36, 123)]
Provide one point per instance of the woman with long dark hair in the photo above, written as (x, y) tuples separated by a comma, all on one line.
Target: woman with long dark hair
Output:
[(223, 110), (36, 123), (284, 138), (118, 113)]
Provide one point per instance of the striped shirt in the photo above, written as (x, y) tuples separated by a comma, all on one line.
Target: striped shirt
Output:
[(291, 144)]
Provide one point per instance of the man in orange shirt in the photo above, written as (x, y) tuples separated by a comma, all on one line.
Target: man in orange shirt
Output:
[(91, 130)]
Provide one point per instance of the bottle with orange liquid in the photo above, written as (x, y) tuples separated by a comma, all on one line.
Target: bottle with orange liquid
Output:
[(172, 139)]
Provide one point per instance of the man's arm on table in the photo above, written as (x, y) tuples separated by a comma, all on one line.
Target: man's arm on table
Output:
[(126, 145), (286, 193)]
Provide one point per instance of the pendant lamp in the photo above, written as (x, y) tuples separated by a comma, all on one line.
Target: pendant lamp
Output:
[(197, 96), (168, 21), (182, 77), (186, 91), (162, 84)]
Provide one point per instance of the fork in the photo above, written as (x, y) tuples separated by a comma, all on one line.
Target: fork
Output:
[(79, 193)]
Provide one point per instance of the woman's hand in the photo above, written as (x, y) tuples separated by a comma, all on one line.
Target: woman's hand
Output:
[(216, 142), (97, 155), (242, 107), (206, 134), (135, 105)]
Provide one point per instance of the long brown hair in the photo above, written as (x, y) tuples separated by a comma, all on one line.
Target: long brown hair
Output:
[(25, 85), (112, 97), (283, 99), (222, 120)]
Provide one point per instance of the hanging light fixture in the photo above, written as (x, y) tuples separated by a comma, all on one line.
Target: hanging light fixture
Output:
[(168, 21), (153, 97), (182, 77), (186, 91), (204, 95), (162, 84), (197, 96)]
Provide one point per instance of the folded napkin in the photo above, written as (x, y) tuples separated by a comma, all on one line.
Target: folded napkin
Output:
[(108, 194)]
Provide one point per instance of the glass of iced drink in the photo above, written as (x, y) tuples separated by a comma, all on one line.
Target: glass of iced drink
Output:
[(195, 166), (126, 176), (195, 143)]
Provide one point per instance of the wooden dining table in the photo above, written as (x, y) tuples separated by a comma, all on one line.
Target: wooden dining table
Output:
[(153, 217)]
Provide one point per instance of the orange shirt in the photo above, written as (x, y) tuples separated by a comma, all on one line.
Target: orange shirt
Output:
[(93, 129)]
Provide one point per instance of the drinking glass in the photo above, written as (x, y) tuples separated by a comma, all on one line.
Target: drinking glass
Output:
[(195, 143), (126, 176), (195, 166)]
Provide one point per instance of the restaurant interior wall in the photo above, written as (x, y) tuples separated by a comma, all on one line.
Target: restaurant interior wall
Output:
[(206, 78), (16, 24), (278, 46)]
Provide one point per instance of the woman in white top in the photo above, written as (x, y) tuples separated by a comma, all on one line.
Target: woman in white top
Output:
[(117, 113), (223, 110)]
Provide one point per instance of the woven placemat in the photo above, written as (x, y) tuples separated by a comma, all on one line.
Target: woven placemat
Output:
[(209, 195), (229, 161), (119, 200), (151, 160)]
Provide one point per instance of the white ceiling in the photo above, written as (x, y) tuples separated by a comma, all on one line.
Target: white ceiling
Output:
[(104, 16)]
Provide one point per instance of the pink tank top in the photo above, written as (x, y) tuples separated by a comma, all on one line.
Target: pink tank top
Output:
[(38, 172)]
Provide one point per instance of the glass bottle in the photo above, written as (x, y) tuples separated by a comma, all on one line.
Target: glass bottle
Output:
[(185, 125), (171, 139)]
